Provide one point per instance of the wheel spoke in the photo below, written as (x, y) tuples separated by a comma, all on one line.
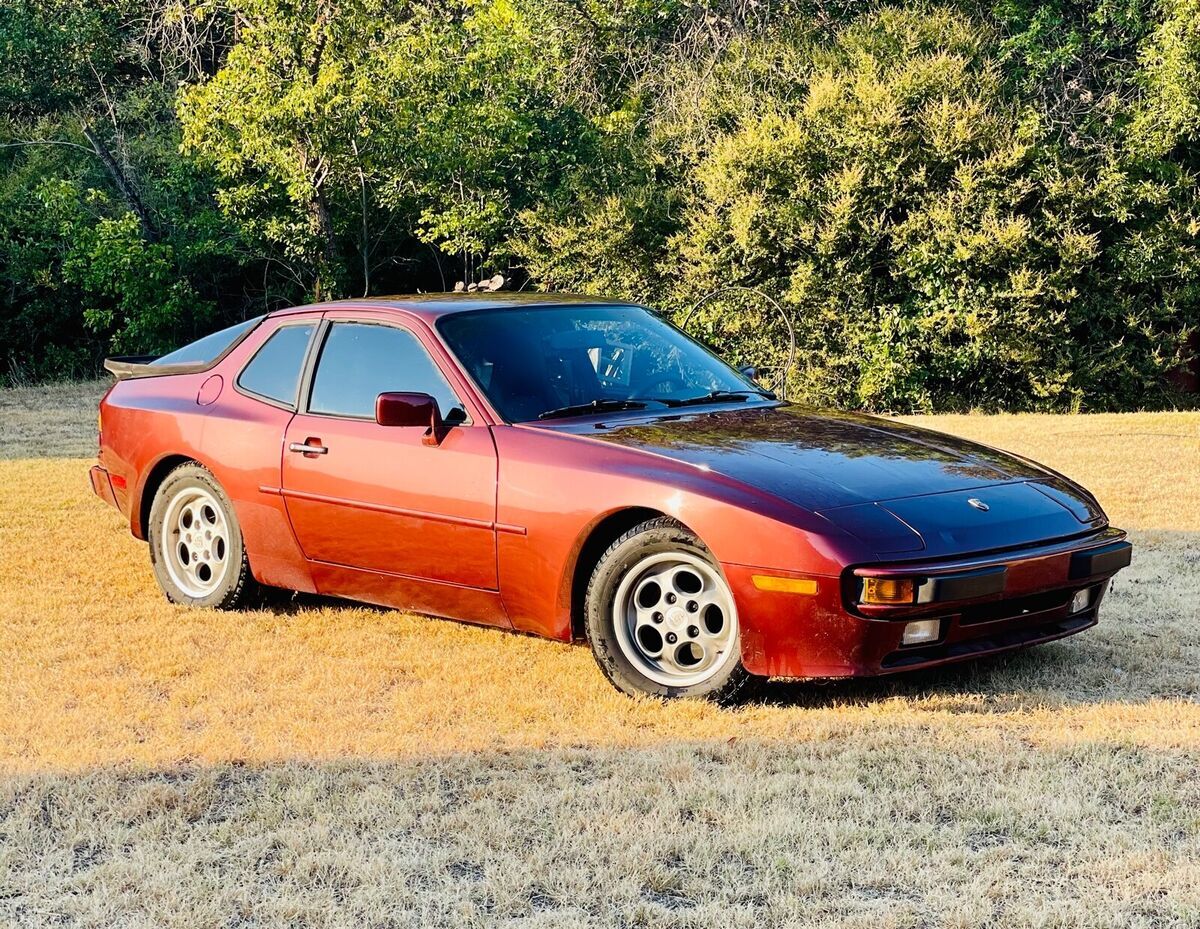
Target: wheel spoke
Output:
[(649, 637)]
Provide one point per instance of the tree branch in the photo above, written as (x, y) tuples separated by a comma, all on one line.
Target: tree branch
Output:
[(124, 185), (128, 192), (26, 142)]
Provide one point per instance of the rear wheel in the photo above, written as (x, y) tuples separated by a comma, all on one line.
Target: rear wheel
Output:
[(661, 618), (196, 543)]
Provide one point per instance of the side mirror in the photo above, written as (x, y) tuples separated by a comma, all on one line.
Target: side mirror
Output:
[(395, 408), (750, 372)]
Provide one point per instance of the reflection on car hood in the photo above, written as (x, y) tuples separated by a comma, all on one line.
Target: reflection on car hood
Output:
[(854, 469), (815, 459)]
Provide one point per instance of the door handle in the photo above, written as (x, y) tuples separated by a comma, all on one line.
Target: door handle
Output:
[(305, 449)]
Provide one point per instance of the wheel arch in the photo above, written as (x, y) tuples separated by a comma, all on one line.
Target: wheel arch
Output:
[(140, 521), (595, 542)]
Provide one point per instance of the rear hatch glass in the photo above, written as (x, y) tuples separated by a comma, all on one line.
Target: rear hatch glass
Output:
[(208, 348)]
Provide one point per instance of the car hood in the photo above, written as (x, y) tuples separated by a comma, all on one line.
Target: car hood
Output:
[(898, 487)]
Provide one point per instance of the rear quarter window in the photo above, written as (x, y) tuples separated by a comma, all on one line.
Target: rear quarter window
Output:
[(274, 371)]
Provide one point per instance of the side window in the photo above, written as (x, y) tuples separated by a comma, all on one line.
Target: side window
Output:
[(274, 371), (361, 360)]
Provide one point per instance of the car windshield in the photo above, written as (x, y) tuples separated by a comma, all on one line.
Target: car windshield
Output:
[(559, 361)]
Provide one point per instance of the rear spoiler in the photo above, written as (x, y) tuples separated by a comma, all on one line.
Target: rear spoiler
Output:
[(128, 366)]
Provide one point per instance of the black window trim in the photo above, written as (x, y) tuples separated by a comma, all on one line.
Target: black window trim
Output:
[(317, 346), (288, 323)]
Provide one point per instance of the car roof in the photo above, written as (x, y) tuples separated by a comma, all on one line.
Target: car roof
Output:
[(434, 306)]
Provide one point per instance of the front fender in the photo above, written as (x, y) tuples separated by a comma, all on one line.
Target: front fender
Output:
[(554, 490)]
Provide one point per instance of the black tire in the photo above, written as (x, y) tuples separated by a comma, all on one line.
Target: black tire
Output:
[(236, 586), (660, 535)]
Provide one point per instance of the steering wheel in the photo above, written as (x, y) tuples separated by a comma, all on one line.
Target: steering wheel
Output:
[(664, 380)]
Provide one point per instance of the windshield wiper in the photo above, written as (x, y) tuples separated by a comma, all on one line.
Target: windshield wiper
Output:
[(595, 406), (716, 396), (631, 403)]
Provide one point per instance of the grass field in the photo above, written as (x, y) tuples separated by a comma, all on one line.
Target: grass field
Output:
[(322, 764)]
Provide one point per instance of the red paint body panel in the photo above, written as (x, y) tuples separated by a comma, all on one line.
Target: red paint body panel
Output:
[(382, 500), (794, 635), (558, 487), (447, 600), (489, 525)]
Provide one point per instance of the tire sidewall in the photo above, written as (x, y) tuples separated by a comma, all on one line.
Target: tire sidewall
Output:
[(654, 537), (235, 580)]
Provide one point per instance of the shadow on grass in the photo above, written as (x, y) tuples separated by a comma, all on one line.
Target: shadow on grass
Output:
[(890, 826), (994, 677), (988, 672)]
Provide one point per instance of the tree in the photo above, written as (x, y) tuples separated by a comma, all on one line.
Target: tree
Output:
[(965, 204), (95, 204), (282, 119)]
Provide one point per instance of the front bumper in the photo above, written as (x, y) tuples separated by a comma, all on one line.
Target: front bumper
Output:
[(984, 605)]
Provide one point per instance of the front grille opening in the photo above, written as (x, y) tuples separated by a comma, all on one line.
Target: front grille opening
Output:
[(1012, 638), (1015, 608)]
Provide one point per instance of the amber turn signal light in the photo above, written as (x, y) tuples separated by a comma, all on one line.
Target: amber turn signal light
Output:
[(886, 591), (785, 585)]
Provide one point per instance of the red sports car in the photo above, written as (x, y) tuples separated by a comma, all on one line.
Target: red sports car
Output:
[(581, 469)]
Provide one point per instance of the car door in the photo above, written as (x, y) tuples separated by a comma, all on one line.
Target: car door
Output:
[(377, 498)]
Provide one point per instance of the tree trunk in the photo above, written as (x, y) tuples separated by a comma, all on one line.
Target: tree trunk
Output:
[(318, 211), (124, 185), (366, 240)]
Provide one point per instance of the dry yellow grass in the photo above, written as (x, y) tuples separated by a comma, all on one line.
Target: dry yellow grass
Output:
[(1142, 466), (327, 764), (48, 420)]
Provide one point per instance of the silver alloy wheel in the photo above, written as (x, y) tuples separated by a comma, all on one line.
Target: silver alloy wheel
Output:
[(195, 542), (675, 619)]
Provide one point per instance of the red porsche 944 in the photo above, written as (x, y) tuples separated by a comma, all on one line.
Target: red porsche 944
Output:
[(581, 469)]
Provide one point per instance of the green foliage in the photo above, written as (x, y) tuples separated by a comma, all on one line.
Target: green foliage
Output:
[(961, 204), (50, 48), (1169, 116), (477, 130), (938, 247), (80, 276), (279, 122), (445, 118), (609, 248)]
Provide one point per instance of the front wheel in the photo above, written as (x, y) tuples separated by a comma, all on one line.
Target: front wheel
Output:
[(661, 618), (196, 543)]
